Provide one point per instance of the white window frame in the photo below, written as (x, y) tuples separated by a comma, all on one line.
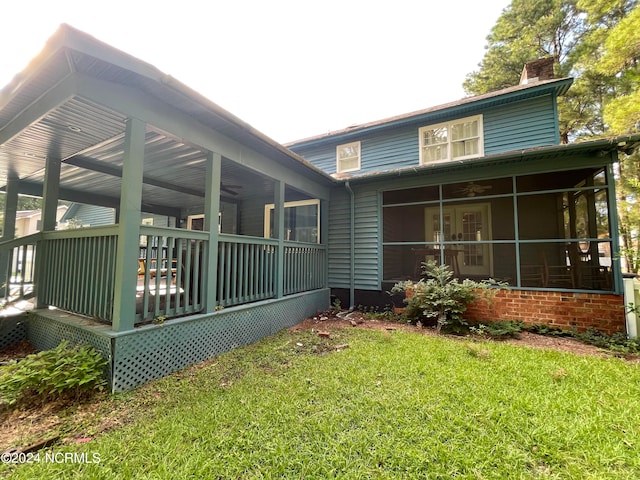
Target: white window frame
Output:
[(269, 209), (339, 169), (449, 143)]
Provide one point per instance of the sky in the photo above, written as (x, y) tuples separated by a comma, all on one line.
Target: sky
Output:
[(291, 69)]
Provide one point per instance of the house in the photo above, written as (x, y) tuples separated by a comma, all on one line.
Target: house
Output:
[(241, 254), (28, 221), (86, 215), (483, 185), (221, 236)]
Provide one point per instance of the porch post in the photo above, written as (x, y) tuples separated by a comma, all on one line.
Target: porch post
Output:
[(9, 229), (324, 239), (211, 212), (50, 192), (616, 266), (124, 301), (278, 230)]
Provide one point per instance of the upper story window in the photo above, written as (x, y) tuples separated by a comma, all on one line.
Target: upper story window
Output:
[(348, 157), (453, 140)]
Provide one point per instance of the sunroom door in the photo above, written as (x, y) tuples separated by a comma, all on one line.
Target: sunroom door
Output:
[(464, 223)]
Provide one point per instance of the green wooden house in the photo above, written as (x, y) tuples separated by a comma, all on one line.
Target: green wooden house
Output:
[(243, 250), (483, 185), (221, 236)]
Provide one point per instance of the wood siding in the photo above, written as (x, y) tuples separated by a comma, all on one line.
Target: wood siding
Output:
[(93, 215), (366, 226), (514, 126), (339, 244), (520, 125)]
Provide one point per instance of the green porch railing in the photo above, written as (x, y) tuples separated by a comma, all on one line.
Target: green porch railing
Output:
[(171, 274), (76, 270), (19, 275), (304, 267), (246, 269)]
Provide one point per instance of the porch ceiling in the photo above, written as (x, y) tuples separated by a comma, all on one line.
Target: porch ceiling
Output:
[(89, 140), (44, 115)]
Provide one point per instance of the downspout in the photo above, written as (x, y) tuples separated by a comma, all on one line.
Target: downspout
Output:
[(352, 247)]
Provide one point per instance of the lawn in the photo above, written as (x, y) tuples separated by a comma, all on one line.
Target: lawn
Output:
[(370, 404)]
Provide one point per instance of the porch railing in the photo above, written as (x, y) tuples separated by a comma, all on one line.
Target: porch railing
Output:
[(303, 267), (246, 269), (171, 272), (76, 270), (19, 276)]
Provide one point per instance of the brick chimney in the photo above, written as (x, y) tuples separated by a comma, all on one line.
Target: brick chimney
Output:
[(537, 70)]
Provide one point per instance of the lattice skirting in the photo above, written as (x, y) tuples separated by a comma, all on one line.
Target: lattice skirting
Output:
[(46, 331), (12, 330), (154, 351)]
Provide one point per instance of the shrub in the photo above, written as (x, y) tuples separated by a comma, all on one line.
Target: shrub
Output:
[(61, 372), (441, 296), (499, 329), (618, 342)]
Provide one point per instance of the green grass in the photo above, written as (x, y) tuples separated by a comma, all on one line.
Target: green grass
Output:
[(391, 405)]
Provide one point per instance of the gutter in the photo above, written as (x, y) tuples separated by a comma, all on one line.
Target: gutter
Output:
[(352, 246)]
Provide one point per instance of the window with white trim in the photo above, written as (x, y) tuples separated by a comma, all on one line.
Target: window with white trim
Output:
[(348, 157), (455, 140), (301, 221)]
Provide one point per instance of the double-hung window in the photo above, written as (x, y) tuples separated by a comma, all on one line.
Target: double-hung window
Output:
[(455, 140), (348, 157)]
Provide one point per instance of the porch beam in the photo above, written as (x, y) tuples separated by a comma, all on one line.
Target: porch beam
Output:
[(133, 102), (54, 97), (35, 189), (278, 230), (211, 210), (101, 167), (124, 302)]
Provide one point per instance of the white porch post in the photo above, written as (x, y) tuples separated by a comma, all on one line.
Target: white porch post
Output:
[(124, 301), (9, 229), (211, 211)]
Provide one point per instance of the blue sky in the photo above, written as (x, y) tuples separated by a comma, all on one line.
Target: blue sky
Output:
[(291, 69)]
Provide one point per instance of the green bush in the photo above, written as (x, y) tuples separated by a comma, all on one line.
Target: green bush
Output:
[(499, 329), (61, 372), (438, 295), (618, 342)]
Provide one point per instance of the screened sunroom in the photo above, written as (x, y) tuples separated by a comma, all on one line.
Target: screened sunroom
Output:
[(549, 230)]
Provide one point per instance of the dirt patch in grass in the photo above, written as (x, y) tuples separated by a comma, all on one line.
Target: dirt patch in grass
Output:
[(358, 320)]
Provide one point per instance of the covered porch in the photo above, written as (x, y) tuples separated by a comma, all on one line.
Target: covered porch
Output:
[(210, 213)]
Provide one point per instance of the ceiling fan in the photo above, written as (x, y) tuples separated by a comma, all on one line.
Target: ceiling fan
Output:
[(471, 189)]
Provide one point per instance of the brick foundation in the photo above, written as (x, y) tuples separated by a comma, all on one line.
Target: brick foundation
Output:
[(564, 310)]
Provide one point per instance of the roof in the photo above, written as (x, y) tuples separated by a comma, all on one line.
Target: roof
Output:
[(33, 213), (461, 106), (45, 112)]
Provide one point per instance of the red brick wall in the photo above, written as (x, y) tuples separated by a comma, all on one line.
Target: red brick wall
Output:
[(558, 309)]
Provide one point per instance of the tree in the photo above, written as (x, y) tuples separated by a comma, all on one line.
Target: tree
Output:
[(598, 43), (525, 31), (620, 52)]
